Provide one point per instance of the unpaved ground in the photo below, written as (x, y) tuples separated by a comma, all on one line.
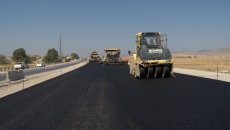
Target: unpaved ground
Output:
[(199, 62)]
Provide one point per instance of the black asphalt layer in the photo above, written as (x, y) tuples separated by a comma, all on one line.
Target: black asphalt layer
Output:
[(105, 97)]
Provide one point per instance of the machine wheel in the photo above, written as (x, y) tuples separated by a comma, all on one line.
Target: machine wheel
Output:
[(157, 72), (163, 72), (149, 72), (142, 72), (167, 71)]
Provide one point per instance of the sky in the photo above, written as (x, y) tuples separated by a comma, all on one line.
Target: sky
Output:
[(87, 25)]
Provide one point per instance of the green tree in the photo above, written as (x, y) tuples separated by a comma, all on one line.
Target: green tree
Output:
[(74, 56), (3, 59), (51, 56), (20, 55)]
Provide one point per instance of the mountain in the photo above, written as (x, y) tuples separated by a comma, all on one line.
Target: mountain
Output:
[(225, 52)]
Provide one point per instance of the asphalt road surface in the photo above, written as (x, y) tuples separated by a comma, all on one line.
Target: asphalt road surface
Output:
[(101, 97)]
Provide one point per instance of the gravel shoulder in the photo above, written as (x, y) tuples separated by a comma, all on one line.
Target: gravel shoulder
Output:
[(205, 74)]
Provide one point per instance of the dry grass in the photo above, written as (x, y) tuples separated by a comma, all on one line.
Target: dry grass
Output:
[(201, 62)]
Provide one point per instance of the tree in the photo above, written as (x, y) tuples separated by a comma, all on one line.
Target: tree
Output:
[(33, 58), (20, 55), (51, 56), (3, 59), (74, 56)]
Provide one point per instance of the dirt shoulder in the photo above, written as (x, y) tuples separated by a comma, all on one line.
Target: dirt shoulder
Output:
[(201, 62)]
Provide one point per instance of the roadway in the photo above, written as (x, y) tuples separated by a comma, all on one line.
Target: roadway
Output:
[(37, 70), (101, 97)]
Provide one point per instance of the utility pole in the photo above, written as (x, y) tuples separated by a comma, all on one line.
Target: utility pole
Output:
[(217, 71), (60, 47)]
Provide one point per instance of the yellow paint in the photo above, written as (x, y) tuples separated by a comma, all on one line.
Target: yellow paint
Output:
[(157, 61)]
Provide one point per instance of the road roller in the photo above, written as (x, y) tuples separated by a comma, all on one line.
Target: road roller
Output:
[(151, 57)]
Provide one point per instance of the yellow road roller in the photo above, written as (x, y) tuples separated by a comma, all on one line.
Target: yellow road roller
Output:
[(151, 58)]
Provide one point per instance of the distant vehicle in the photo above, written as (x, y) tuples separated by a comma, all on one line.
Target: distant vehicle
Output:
[(112, 56), (94, 56), (40, 65), (21, 65)]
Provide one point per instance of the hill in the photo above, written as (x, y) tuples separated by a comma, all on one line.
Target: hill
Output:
[(220, 52)]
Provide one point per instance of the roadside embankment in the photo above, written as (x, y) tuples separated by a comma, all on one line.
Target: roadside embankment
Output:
[(7, 88)]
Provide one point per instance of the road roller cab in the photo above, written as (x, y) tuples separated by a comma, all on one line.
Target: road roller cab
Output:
[(151, 58)]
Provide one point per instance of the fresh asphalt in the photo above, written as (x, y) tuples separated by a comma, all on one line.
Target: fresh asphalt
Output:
[(106, 97)]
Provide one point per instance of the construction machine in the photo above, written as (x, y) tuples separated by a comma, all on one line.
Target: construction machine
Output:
[(94, 56), (112, 56), (151, 58)]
